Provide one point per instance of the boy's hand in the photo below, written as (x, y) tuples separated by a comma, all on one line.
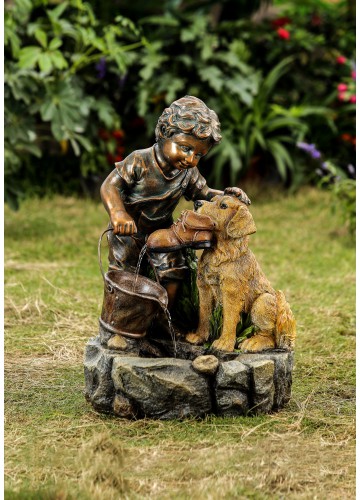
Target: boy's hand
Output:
[(122, 223), (239, 193)]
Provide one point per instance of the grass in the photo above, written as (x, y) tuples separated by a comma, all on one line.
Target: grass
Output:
[(58, 447)]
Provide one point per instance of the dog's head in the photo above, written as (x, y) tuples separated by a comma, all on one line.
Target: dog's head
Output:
[(231, 216)]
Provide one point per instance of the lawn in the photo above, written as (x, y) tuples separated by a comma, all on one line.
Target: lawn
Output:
[(58, 447)]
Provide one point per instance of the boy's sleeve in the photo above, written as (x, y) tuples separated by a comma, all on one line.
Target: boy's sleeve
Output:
[(130, 169), (195, 185)]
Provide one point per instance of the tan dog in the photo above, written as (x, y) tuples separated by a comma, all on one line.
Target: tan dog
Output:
[(229, 274)]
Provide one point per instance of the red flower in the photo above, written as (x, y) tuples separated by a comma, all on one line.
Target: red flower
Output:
[(341, 60), (283, 33), (346, 137), (280, 22), (341, 96), (342, 87), (353, 75), (118, 158), (353, 99), (118, 134)]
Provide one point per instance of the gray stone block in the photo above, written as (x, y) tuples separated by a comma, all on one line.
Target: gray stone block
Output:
[(231, 402), (262, 385), (163, 388), (232, 375), (283, 361)]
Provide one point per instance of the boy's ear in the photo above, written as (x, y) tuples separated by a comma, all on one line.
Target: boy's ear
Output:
[(241, 224)]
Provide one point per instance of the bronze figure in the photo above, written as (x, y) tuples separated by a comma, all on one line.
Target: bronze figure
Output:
[(143, 190)]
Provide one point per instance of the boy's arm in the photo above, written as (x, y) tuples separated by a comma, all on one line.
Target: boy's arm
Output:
[(207, 193), (120, 220)]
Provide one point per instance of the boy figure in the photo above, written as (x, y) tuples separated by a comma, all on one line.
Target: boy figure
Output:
[(142, 192)]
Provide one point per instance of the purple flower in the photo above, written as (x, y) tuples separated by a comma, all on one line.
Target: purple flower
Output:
[(310, 149), (101, 68), (324, 166)]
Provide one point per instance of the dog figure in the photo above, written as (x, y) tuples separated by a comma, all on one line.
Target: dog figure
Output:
[(228, 274)]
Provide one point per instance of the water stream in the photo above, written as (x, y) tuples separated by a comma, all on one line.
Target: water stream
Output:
[(165, 309), (171, 328), (141, 256)]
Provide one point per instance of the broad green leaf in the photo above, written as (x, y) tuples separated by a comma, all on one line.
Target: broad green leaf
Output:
[(58, 11), (55, 43), (213, 76), (28, 56), (45, 63), (47, 110), (58, 59), (86, 144), (41, 37)]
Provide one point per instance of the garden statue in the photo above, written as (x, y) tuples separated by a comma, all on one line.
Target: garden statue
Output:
[(187, 376)]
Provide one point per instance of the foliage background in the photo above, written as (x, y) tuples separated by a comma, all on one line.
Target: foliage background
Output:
[(86, 82)]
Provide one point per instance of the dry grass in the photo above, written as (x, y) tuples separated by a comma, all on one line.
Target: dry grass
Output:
[(58, 447)]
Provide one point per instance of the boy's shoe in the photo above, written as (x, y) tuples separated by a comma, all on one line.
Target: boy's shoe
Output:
[(191, 230)]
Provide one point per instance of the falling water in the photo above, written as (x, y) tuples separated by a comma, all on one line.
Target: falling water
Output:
[(166, 311), (171, 328), (141, 256)]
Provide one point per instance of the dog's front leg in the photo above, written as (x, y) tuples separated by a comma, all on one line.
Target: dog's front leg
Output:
[(232, 308), (206, 302)]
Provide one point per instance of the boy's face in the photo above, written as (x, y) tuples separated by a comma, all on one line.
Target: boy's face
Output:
[(184, 151)]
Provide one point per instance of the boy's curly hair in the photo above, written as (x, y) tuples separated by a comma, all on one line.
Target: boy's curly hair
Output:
[(189, 115)]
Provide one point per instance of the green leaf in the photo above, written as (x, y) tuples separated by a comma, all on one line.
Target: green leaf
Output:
[(86, 144), (55, 43), (47, 110), (28, 56), (41, 37), (58, 59), (213, 76), (58, 11), (45, 63)]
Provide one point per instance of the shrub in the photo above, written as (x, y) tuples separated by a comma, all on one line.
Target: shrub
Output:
[(55, 98)]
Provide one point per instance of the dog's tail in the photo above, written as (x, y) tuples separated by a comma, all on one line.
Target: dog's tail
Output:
[(285, 328)]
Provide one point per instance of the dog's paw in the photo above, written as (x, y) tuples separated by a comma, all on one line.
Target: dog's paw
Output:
[(195, 338), (223, 345), (258, 343)]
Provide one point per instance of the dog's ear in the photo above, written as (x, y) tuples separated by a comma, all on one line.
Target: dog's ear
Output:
[(241, 224)]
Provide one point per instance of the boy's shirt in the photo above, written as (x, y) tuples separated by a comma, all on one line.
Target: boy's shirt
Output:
[(148, 195)]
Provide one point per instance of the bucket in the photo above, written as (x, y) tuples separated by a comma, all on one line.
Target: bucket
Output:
[(130, 301)]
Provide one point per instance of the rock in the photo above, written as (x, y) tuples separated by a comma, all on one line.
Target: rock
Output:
[(117, 342), (232, 375), (99, 387), (284, 362), (139, 380), (122, 407), (206, 364), (231, 402), (263, 389), (231, 387), (164, 388)]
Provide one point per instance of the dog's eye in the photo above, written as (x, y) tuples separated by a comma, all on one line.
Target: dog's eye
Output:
[(223, 205)]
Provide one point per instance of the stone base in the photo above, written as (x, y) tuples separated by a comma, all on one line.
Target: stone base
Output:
[(140, 379)]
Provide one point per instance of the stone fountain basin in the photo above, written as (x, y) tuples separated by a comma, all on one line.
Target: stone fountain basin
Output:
[(143, 379)]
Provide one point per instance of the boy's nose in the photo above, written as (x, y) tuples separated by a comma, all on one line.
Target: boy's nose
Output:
[(198, 204)]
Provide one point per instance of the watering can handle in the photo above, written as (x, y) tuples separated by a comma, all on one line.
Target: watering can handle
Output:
[(100, 260)]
